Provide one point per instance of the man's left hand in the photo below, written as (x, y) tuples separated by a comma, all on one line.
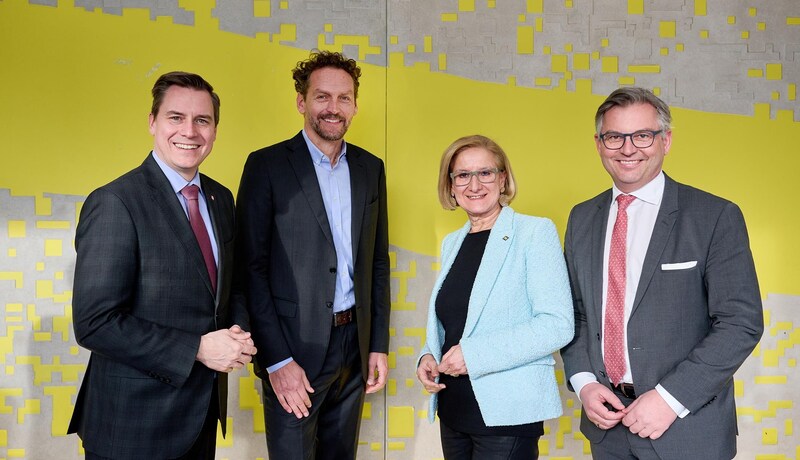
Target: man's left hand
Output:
[(377, 372), (649, 416)]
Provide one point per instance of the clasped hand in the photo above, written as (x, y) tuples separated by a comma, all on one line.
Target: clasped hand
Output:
[(226, 349), (648, 416), (452, 364)]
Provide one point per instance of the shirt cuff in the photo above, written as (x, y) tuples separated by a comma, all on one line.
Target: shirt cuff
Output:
[(279, 365), (580, 380), (676, 406)]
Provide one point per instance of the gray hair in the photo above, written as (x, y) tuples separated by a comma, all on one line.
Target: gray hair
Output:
[(630, 95)]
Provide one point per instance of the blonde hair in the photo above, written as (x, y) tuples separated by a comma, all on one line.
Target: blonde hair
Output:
[(467, 142)]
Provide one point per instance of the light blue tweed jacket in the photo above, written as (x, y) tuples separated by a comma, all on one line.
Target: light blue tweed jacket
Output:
[(519, 314)]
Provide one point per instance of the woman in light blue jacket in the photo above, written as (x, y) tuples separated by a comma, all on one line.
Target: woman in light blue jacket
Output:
[(500, 308)]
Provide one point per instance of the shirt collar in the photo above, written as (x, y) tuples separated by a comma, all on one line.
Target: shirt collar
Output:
[(651, 192), (176, 180), (316, 154)]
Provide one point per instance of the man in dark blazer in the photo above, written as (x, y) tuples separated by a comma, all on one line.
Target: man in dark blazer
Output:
[(656, 381), (151, 299), (313, 249)]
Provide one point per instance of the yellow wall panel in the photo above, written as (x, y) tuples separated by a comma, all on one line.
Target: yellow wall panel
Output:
[(700, 7), (666, 29), (774, 71), (610, 64), (635, 6), (524, 40), (535, 6), (261, 8)]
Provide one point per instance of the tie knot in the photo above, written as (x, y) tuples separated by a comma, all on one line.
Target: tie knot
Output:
[(190, 192), (623, 201)]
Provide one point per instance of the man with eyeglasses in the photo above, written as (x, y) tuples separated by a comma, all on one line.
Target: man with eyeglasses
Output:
[(667, 304)]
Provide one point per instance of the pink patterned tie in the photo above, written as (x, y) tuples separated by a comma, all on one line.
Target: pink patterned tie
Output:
[(190, 192), (614, 336)]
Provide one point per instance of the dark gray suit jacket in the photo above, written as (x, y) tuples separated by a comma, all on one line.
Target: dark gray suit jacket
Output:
[(690, 329), (286, 258), (142, 298)]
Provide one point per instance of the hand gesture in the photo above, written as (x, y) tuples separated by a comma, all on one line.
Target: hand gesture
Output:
[(427, 372), (226, 349), (649, 416), (453, 362), (377, 372), (292, 388), (596, 399)]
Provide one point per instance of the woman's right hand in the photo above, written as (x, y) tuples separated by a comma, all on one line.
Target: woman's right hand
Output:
[(427, 372)]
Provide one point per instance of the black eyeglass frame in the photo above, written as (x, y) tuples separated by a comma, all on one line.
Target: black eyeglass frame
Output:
[(626, 136)]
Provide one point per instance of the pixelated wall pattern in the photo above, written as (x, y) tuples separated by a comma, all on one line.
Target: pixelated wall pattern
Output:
[(712, 55)]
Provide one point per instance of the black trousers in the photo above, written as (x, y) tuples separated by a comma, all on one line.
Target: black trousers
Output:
[(331, 429), (463, 446)]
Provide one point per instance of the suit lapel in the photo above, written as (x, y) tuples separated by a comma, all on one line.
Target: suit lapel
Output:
[(358, 196), (665, 221), (500, 240), (599, 226), (300, 159), (214, 211), (167, 201)]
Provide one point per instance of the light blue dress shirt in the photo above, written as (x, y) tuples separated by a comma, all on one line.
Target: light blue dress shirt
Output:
[(334, 183)]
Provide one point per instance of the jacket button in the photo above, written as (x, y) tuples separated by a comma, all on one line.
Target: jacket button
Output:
[(332, 269), (329, 304)]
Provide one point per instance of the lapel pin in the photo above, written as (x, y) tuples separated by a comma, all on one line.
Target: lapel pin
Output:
[(212, 197)]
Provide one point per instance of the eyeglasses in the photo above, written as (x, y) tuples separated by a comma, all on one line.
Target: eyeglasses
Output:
[(640, 139), (485, 176)]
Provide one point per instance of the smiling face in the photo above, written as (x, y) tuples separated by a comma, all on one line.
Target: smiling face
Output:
[(630, 167), (328, 106), (184, 130), (479, 200)]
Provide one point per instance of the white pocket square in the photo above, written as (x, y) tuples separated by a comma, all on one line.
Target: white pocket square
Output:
[(679, 265)]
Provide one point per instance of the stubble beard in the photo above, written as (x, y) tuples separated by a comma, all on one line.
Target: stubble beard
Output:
[(327, 135)]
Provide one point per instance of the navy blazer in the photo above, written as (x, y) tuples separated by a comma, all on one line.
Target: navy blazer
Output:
[(287, 260)]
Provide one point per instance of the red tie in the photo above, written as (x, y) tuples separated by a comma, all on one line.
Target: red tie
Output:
[(190, 192), (614, 336)]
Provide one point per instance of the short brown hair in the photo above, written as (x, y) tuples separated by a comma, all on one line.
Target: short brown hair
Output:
[(467, 142), (321, 59), (184, 80), (631, 95)]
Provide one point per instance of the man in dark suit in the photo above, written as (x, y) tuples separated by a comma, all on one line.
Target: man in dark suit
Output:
[(313, 249), (151, 293), (667, 305)]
